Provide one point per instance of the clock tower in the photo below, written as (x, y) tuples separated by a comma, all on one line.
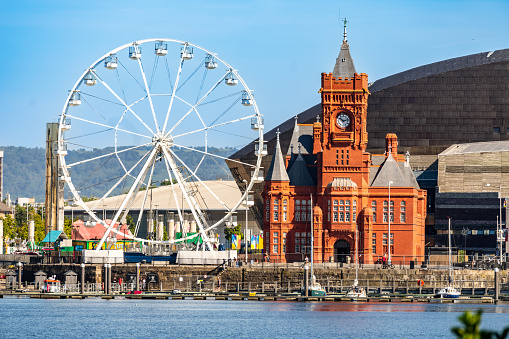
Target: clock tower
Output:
[(340, 139)]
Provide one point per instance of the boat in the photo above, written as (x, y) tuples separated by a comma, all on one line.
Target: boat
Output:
[(449, 291), (51, 285), (354, 291), (315, 289)]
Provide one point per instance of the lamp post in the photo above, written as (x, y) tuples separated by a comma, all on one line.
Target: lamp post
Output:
[(245, 234), (499, 222), (389, 223)]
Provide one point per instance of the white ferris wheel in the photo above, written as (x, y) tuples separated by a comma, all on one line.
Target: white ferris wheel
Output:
[(136, 112)]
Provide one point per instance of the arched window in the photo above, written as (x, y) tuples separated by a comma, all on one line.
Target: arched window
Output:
[(403, 203), (276, 204), (297, 205), (373, 203), (385, 203), (285, 204), (347, 202), (335, 205), (341, 202)]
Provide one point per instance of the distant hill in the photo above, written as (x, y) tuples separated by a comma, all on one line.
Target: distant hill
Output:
[(24, 168)]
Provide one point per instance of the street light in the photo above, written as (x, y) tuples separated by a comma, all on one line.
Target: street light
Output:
[(245, 234), (499, 221), (389, 220)]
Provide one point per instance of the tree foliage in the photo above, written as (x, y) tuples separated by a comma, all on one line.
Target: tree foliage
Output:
[(472, 328), (228, 232)]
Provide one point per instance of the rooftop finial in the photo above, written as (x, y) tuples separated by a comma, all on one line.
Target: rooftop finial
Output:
[(277, 134), (299, 147), (318, 118), (344, 30)]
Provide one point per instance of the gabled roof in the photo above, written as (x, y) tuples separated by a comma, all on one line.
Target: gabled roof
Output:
[(344, 67), (96, 232), (299, 174), (277, 169), (390, 171)]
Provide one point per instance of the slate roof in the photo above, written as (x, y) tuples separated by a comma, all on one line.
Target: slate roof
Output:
[(400, 174), (277, 169), (299, 174), (303, 136), (344, 67)]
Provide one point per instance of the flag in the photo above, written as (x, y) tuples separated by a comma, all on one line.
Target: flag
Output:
[(234, 241), (253, 242), (260, 242)]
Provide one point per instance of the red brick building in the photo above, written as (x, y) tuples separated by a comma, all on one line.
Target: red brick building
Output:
[(327, 163)]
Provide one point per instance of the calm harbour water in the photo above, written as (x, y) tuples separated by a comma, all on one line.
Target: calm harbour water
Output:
[(242, 319)]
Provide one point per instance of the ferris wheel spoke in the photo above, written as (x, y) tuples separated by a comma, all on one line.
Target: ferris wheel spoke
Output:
[(122, 178), (133, 198), (170, 177), (214, 155), (152, 155), (214, 126), (199, 101), (105, 155), (198, 178), (142, 208), (122, 101), (147, 89), (107, 126), (173, 90), (190, 199)]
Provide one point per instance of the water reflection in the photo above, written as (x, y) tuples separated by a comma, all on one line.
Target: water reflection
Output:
[(383, 307)]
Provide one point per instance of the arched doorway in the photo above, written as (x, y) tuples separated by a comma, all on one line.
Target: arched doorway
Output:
[(341, 250)]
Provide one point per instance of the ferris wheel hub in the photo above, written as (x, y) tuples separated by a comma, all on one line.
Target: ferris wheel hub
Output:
[(162, 139)]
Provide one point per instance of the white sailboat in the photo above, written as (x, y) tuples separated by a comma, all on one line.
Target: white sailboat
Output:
[(315, 290), (354, 291), (449, 291)]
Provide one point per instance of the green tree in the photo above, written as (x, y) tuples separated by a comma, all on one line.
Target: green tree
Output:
[(40, 228), (472, 328), (228, 232), (130, 222), (21, 224), (68, 227), (9, 232)]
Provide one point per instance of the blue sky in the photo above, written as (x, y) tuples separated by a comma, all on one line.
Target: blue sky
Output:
[(279, 47)]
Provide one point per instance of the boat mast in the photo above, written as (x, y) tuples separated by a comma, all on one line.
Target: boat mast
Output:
[(357, 255), (312, 241), (450, 252)]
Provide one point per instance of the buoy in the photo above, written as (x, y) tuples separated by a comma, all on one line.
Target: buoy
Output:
[(420, 282)]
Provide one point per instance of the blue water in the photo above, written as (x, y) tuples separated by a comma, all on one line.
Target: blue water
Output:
[(240, 319)]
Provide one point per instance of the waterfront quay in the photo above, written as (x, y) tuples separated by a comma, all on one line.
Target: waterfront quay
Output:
[(250, 282)]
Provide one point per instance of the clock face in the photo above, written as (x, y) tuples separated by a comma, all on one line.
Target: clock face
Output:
[(343, 120)]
